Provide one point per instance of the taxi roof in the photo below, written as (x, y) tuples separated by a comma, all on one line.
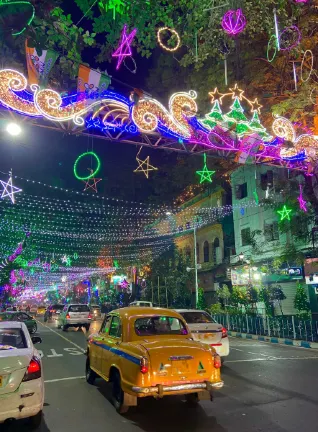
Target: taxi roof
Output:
[(144, 311)]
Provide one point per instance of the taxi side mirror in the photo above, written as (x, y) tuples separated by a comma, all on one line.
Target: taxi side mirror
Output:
[(36, 339)]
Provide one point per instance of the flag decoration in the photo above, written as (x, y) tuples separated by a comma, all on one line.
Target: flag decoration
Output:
[(39, 66), (90, 80)]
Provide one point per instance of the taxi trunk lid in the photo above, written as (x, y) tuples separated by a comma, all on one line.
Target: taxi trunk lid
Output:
[(13, 365), (210, 333), (178, 361)]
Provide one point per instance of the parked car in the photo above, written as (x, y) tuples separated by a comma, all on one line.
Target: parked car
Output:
[(20, 317), (74, 315), (141, 304), (96, 312), (41, 310), (205, 329), (21, 378), (148, 352), (54, 311), (34, 310)]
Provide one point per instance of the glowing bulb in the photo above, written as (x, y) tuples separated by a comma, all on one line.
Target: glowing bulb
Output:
[(14, 129), (168, 213)]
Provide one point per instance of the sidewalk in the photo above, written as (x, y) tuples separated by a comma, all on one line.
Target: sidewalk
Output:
[(275, 340)]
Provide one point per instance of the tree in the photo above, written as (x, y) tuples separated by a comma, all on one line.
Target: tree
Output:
[(201, 299), (301, 302), (224, 295)]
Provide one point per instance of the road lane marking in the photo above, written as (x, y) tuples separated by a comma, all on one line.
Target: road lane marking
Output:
[(236, 349), (54, 354), (73, 351), (271, 359), (63, 337), (64, 379)]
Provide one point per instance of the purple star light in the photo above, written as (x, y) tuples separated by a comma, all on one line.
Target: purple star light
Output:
[(124, 48), (302, 202)]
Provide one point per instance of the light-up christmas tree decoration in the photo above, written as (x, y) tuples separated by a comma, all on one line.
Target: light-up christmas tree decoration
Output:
[(284, 213), (256, 126), (205, 174), (236, 119), (215, 117)]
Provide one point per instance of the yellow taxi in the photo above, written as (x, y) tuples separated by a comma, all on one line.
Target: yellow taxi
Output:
[(148, 351), (41, 310)]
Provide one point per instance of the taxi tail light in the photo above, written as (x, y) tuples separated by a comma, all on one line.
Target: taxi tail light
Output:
[(224, 332), (89, 316), (68, 316), (217, 362), (33, 371), (144, 365)]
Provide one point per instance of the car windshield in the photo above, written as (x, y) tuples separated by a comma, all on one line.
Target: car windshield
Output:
[(11, 338), (197, 317), (78, 308), (57, 307), (159, 325)]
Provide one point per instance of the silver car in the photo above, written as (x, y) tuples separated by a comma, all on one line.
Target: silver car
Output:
[(75, 315)]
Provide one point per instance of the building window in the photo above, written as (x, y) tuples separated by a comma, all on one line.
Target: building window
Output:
[(241, 191), (271, 231), (267, 180), (216, 245), (198, 253), (206, 251), (245, 236)]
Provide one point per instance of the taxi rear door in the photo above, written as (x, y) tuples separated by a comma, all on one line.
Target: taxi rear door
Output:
[(100, 345), (113, 341)]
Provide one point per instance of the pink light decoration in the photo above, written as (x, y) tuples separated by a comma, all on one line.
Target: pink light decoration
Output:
[(296, 37), (124, 49), (233, 22), (302, 202), (301, 1)]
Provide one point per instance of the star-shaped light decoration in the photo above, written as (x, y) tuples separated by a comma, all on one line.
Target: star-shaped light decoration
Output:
[(64, 259), (144, 165), (255, 106), (216, 96), (205, 174), (236, 92), (124, 48), (284, 213), (302, 202), (9, 190), (91, 183)]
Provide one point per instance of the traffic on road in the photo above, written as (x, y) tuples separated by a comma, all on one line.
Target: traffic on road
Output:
[(265, 385)]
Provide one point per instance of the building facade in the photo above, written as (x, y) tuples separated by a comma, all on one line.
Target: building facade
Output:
[(259, 223)]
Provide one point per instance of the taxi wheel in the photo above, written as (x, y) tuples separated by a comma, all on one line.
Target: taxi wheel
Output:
[(35, 421), (90, 374), (192, 398), (65, 327), (118, 395)]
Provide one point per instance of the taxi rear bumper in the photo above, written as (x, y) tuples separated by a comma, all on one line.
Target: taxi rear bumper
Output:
[(179, 388)]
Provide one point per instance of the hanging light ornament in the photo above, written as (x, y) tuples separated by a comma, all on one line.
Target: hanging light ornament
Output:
[(233, 22)]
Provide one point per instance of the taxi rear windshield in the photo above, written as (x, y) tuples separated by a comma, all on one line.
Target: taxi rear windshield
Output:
[(159, 325)]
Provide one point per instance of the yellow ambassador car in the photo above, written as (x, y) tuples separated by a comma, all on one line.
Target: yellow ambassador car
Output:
[(147, 351)]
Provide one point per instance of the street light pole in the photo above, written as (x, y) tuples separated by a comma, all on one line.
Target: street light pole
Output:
[(195, 265)]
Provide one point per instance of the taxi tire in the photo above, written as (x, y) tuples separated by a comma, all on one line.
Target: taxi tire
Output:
[(64, 327), (34, 422), (118, 395), (90, 374), (192, 398)]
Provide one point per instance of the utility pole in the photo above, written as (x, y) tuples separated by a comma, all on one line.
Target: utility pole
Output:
[(166, 291), (195, 265), (158, 291)]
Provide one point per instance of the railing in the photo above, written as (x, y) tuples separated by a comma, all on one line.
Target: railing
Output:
[(288, 327)]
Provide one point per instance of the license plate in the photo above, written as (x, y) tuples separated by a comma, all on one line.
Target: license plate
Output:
[(206, 335), (0, 380), (179, 367)]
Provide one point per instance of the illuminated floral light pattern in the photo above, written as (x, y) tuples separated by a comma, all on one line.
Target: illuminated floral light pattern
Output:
[(233, 22), (283, 128), (150, 115)]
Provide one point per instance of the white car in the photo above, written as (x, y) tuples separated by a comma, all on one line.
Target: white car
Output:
[(74, 315), (205, 329), (21, 376), (141, 304)]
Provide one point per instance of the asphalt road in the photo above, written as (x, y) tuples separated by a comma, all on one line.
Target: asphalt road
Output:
[(268, 388)]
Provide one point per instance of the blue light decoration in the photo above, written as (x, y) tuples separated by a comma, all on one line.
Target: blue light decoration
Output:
[(110, 112)]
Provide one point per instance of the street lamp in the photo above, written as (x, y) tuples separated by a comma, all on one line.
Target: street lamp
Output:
[(13, 129)]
